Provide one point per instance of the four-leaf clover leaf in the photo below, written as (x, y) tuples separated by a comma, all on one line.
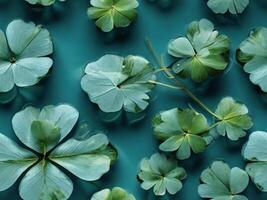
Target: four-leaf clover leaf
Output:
[(233, 6), (23, 52), (114, 82), (234, 119), (42, 131), (116, 193), (162, 174), (181, 131), (221, 182), (201, 53), (113, 13), (255, 152), (252, 53)]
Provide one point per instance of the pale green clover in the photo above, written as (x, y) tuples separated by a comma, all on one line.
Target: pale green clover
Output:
[(114, 82), (23, 52), (233, 6), (43, 2), (161, 174), (234, 119), (201, 53), (42, 131), (181, 131), (116, 193), (252, 53), (112, 13), (255, 152), (222, 183)]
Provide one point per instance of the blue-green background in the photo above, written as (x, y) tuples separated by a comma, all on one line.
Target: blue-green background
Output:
[(77, 41)]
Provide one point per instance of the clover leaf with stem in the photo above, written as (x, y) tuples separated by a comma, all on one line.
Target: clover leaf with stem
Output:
[(221, 182), (43, 2), (23, 55), (252, 53), (112, 13), (234, 119), (231, 117), (255, 152), (201, 53), (233, 6), (116, 83), (43, 131), (182, 131), (161, 174), (116, 193)]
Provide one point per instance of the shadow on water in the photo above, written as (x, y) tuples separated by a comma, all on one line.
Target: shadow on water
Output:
[(262, 3), (46, 14), (117, 35), (165, 5), (19, 96)]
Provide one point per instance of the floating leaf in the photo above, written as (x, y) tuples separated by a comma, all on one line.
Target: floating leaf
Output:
[(201, 53), (181, 131), (115, 194), (112, 13), (62, 117), (162, 174), (41, 131), (252, 53), (14, 160), (86, 159), (221, 182), (255, 152), (234, 119), (114, 83), (45, 181), (233, 6), (23, 60), (42, 2)]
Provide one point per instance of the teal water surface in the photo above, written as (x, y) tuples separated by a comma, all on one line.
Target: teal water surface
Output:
[(77, 41)]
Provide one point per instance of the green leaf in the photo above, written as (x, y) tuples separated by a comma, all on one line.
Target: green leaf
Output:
[(255, 152), (45, 182), (43, 2), (87, 159), (45, 133), (233, 6), (181, 131), (221, 182), (109, 14), (114, 83), (161, 174), (14, 160), (234, 119), (252, 53), (23, 61), (53, 119), (201, 53), (115, 194)]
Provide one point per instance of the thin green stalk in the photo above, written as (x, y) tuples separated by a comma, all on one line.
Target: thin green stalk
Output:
[(159, 60), (164, 84), (198, 101), (208, 129)]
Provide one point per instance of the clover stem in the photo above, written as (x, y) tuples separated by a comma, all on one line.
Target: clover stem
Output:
[(164, 84), (199, 102), (153, 52), (208, 129), (192, 96)]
